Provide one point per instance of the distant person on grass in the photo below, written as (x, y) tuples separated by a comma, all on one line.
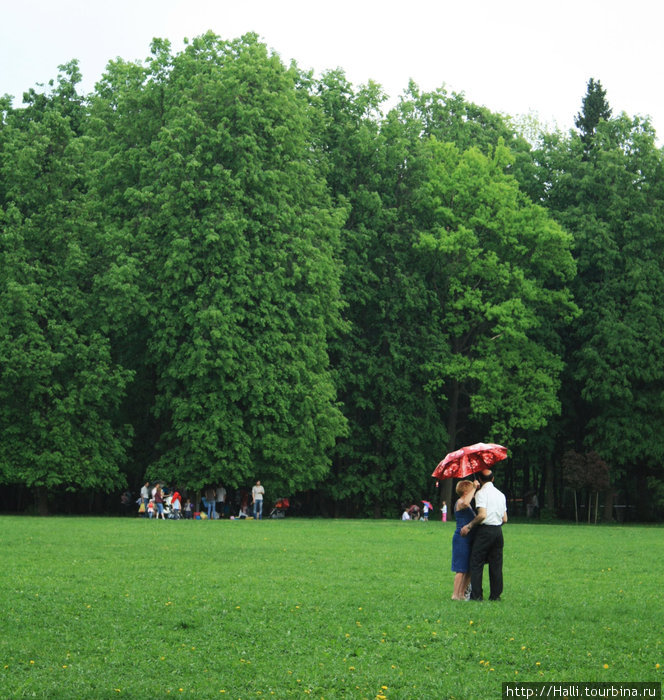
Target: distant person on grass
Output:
[(145, 497), (159, 501), (257, 493), (211, 502), (488, 545), (461, 546), (221, 501), (176, 503)]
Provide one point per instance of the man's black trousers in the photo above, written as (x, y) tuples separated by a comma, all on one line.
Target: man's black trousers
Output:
[(487, 548)]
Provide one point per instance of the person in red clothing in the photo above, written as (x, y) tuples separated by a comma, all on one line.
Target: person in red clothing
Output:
[(176, 503)]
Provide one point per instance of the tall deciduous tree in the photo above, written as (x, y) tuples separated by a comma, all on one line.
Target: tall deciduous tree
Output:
[(500, 267), (611, 198), (239, 239), (394, 423), (59, 384)]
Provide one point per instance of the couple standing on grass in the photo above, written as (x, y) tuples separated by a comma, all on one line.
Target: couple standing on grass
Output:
[(478, 538)]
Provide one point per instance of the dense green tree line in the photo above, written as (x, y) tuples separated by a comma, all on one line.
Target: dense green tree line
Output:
[(217, 268)]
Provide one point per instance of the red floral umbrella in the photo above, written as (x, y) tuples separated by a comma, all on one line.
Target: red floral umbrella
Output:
[(468, 460)]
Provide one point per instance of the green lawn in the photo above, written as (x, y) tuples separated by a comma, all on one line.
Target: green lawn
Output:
[(106, 608)]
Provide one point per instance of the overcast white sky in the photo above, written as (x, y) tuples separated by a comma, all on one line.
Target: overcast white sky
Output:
[(513, 56)]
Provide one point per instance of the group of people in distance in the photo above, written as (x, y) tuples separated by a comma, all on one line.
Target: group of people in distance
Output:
[(478, 538), (153, 499)]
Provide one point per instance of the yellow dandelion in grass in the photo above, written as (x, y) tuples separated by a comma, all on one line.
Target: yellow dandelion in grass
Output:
[(471, 623), (656, 666), (31, 661), (222, 691), (351, 668), (523, 648), (605, 666)]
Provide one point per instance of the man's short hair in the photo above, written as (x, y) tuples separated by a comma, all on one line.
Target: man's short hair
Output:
[(485, 476)]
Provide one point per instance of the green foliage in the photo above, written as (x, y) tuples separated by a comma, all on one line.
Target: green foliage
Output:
[(395, 425), (262, 275), (594, 109), (610, 198), (59, 385), (238, 240), (499, 266)]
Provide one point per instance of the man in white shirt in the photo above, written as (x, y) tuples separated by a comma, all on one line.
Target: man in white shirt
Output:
[(145, 497), (488, 545)]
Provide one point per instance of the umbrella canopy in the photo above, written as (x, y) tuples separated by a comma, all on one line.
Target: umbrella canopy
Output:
[(426, 503), (469, 460)]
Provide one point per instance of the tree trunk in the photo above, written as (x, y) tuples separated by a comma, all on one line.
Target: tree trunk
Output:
[(548, 486), (609, 496), (452, 416), (42, 500), (576, 509)]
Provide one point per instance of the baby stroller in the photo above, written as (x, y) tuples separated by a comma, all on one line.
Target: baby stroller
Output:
[(170, 512), (280, 508)]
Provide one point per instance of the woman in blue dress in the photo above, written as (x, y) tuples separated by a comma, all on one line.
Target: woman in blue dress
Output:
[(463, 514)]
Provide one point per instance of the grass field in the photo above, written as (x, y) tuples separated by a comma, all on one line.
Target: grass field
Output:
[(107, 608)]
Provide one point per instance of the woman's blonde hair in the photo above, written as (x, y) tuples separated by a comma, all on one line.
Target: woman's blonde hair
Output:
[(464, 486)]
